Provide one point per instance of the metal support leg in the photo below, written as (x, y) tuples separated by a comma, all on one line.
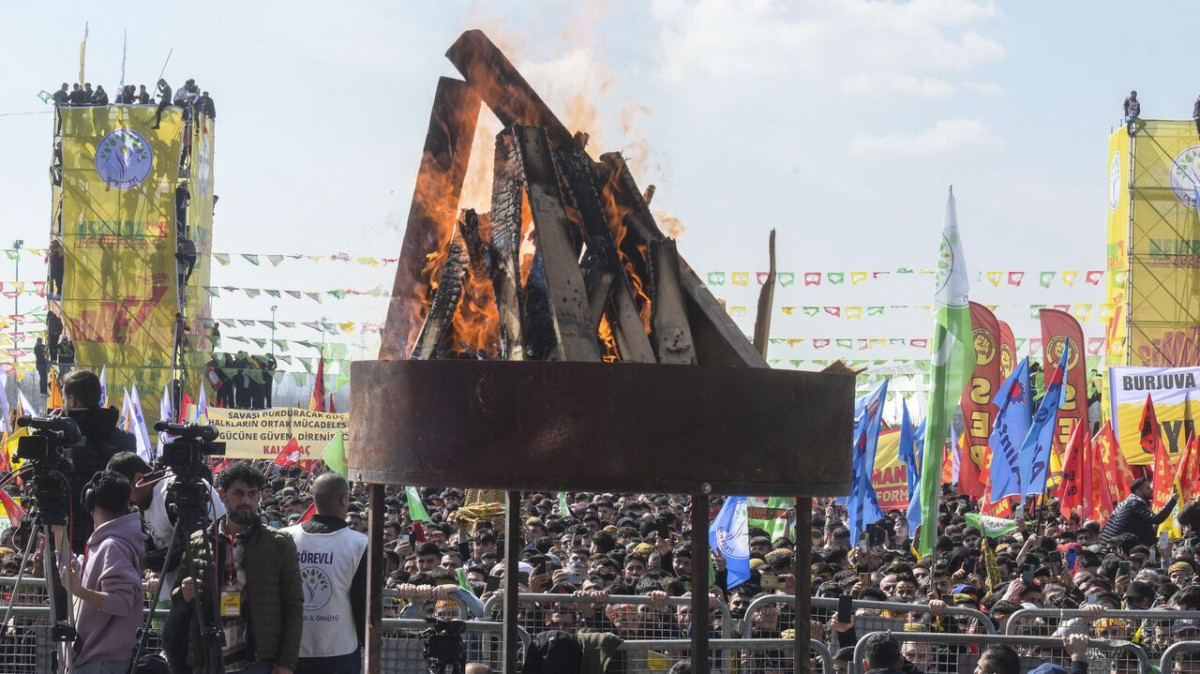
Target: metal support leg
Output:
[(802, 571), (700, 562), (375, 574), (512, 554)]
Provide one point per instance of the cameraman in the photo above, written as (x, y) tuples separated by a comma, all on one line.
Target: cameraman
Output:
[(151, 500), (102, 440)]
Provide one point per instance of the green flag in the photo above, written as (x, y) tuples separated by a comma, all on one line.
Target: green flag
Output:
[(563, 508), (335, 455), (953, 357), (992, 527), (416, 509)]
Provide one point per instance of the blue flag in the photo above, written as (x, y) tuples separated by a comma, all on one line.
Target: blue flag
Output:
[(862, 505), (908, 450), (1012, 425), (914, 502), (1035, 451), (729, 535)]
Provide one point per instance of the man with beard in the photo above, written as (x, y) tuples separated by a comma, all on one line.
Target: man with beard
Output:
[(249, 576)]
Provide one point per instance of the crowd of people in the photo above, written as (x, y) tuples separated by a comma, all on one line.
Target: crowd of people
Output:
[(283, 571), (189, 97)]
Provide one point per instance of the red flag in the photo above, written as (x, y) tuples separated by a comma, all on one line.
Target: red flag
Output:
[(331, 408), (289, 455), (979, 412), (14, 511), (219, 466), (1071, 489), (316, 401), (1008, 350), (1103, 494), (1188, 472), (1164, 479), (308, 514), (183, 406), (1060, 330), (1113, 457)]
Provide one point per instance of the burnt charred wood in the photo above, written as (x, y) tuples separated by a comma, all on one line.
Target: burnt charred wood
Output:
[(445, 301), (433, 211), (576, 340), (766, 302), (501, 86), (648, 195), (538, 324), (718, 339), (669, 319), (630, 334), (598, 277), (505, 247), (476, 247)]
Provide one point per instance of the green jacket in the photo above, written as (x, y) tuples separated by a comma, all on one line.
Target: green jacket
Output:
[(272, 601)]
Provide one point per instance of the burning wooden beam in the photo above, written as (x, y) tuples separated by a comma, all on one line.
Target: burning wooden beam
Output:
[(564, 282), (628, 330), (672, 334), (598, 277), (477, 251), (766, 301), (445, 301), (507, 200), (433, 211), (718, 339)]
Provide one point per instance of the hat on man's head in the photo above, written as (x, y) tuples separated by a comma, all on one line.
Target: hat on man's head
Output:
[(1180, 566)]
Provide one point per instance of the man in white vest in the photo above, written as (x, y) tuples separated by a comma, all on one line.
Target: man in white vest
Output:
[(333, 572)]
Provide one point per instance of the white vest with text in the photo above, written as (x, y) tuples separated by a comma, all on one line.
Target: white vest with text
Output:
[(327, 566)]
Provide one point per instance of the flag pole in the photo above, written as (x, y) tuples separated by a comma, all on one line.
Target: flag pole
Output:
[(164, 68)]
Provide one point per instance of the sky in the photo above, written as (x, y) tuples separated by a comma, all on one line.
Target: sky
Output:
[(839, 123)]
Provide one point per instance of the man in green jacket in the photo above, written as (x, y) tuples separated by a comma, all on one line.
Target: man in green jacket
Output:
[(252, 588)]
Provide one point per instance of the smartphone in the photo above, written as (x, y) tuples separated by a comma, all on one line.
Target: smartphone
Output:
[(864, 579), (969, 566), (403, 538), (1072, 556), (523, 577), (573, 577), (845, 608), (1027, 573), (862, 544), (493, 583), (1123, 569), (1091, 598), (1056, 559), (772, 582)]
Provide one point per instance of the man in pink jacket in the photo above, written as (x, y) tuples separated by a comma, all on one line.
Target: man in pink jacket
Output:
[(107, 579)]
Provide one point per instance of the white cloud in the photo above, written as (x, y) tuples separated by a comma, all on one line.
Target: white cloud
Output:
[(858, 46), (945, 136), (984, 88)]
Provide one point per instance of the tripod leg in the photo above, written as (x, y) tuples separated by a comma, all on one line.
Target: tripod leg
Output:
[(144, 634), (12, 598)]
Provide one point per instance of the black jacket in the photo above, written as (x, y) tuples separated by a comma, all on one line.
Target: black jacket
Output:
[(103, 440), (1133, 516)]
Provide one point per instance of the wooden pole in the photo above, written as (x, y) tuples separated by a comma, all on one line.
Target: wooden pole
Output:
[(512, 553), (700, 562), (375, 574)]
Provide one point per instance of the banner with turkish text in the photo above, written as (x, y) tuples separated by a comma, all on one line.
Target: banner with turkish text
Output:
[(262, 434), (979, 411), (1061, 331), (1176, 395)]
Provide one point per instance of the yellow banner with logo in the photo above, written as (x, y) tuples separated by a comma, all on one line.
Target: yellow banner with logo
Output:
[(120, 292), (199, 231), (1176, 395)]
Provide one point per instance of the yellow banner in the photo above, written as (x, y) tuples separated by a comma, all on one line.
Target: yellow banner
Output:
[(1176, 395), (1116, 331), (120, 292), (890, 477), (1159, 251), (199, 231), (261, 434)]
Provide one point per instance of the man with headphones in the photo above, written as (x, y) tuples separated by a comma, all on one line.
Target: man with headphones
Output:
[(107, 579)]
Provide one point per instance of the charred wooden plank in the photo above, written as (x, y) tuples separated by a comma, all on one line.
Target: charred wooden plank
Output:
[(598, 277), (505, 247), (576, 340), (501, 86), (445, 301), (628, 329), (433, 211), (538, 317), (766, 303), (718, 339), (476, 246), (672, 334)]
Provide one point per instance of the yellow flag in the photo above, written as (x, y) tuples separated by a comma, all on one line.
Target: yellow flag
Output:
[(55, 401)]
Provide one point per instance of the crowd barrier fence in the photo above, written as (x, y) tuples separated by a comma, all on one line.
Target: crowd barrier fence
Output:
[(1176, 658), (825, 608), (940, 652), (643, 623), (1126, 623), (726, 655)]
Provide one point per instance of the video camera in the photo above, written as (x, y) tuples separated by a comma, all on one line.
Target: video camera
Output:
[(187, 456), (45, 449), (443, 646)]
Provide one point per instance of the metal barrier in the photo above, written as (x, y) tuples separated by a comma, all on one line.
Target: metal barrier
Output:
[(939, 653), (631, 617), (27, 649), (1156, 626), (1177, 658), (824, 608), (727, 655)]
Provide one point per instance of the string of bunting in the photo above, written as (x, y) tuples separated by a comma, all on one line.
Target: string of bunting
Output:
[(786, 279), (1082, 311), (1095, 345)]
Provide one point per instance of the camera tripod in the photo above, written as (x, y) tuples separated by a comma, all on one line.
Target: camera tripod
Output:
[(61, 628)]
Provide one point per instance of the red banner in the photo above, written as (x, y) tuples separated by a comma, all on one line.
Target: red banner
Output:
[(1060, 330), (1152, 443), (979, 412), (1008, 350)]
